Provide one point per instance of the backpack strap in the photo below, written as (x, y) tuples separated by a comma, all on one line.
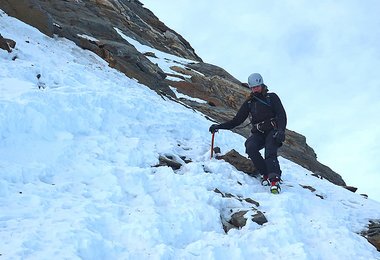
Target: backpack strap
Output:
[(267, 102), (267, 97)]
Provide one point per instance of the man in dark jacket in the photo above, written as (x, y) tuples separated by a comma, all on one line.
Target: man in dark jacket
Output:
[(268, 120)]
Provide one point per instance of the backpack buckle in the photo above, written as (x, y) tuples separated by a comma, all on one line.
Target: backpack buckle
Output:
[(258, 127), (265, 125)]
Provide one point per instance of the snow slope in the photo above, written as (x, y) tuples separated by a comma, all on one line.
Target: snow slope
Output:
[(77, 182)]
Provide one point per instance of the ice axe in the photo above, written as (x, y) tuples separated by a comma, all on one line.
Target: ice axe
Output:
[(212, 144)]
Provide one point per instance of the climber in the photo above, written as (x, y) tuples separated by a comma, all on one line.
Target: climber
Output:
[(268, 119)]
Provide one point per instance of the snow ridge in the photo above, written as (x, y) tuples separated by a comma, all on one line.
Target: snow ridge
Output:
[(77, 182)]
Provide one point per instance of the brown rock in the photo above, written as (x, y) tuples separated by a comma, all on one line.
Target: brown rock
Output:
[(235, 218), (350, 188), (168, 161), (249, 200), (238, 220), (259, 218), (240, 162), (7, 44), (30, 12), (372, 234), (308, 187)]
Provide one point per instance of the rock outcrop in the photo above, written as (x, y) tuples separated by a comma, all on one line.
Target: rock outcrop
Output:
[(7, 44), (91, 25), (373, 233), (240, 162), (237, 216), (80, 20)]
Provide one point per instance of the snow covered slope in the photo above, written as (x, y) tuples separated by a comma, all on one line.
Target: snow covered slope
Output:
[(77, 182)]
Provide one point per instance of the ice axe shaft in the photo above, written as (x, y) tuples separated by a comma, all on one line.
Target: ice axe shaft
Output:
[(212, 144)]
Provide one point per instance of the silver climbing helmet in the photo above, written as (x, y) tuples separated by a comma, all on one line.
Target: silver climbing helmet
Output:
[(254, 80)]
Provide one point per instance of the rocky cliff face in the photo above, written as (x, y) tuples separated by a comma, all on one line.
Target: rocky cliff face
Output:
[(91, 24)]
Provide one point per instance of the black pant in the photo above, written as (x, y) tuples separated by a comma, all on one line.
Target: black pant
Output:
[(269, 166)]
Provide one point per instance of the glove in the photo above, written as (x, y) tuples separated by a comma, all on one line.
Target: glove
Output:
[(279, 136), (214, 128)]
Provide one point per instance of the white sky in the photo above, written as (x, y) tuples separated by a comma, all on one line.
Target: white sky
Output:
[(321, 57)]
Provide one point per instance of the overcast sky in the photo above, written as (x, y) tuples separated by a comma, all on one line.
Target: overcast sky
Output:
[(321, 57)]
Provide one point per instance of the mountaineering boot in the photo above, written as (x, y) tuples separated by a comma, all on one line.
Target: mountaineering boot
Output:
[(275, 185), (265, 181)]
